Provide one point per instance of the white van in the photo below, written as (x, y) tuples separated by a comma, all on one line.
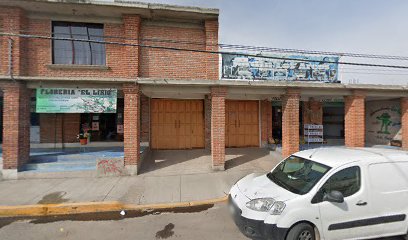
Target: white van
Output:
[(326, 193)]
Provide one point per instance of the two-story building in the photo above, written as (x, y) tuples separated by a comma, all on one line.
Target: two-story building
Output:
[(150, 75)]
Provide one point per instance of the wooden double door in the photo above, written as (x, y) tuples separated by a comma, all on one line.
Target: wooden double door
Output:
[(242, 123), (177, 124)]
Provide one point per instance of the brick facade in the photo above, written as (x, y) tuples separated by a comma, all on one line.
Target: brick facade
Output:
[(266, 121), (13, 19), (16, 125), (211, 64), (132, 34), (290, 122), (404, 122), (59, 127), (173, 64), (218, 95), (354, 129), (132, 127)]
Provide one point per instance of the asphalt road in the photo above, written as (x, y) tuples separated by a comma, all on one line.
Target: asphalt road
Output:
[(208, 222)]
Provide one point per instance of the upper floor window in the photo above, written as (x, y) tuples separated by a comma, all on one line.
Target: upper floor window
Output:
[(78, 52)]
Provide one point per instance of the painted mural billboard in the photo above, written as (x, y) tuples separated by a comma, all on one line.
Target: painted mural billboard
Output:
[(383, 122), (73, 100), (280, 67)]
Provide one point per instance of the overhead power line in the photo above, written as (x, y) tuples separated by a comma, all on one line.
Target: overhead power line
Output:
[(201, 51), (239, 47)]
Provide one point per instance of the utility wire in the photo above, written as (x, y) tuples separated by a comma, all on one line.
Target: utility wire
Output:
[(238, 47), (201, 51)]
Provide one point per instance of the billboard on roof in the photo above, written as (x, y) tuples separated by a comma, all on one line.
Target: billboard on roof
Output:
[(289, 67)]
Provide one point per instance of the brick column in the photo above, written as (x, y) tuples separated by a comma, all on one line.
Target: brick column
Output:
[(354, 129), (132, 127), (290, 122), (266, 121), (211, 40), (16, 128), (218, 95), (131, 25), (404, 122), (13, 20)]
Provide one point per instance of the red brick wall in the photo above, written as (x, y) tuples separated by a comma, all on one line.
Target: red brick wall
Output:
[(58, 128), (266, 121), (122, 61), (290, 122), (354, 128), (12, 19), (132, 34), (218, 127), (171, 64), (212, 60), (404, 122), (131, 124), (40, 54), (16, 125)]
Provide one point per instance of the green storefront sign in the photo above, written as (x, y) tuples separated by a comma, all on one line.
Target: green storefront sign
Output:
[(73, 100)]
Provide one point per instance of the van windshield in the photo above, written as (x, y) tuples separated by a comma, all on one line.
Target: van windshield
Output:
[(297, 174)]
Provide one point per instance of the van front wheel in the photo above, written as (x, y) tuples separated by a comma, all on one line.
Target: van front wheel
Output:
[(301, 231)]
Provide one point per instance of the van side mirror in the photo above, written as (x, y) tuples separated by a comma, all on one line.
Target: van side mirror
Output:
[(334, 196)]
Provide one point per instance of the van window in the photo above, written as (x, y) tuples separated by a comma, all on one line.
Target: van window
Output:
[(346, 181), (389, 177), (297, 174)]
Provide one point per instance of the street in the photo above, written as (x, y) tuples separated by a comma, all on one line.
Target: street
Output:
[(206, 222)]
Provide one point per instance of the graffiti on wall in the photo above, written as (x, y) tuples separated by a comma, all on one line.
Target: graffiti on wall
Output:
[(383, 120), (280, 67), (110, 167)]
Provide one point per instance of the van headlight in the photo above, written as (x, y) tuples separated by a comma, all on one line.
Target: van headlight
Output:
[(266, 205)]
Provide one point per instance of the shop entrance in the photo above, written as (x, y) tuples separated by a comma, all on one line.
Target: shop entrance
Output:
[(101, 127), (177, 124), (242, 124)]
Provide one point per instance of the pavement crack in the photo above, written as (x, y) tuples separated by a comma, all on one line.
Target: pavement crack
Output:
[(110, 190)]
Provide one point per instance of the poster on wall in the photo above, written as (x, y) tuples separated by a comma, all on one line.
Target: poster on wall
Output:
[(95, 126), (73, 100), (280, 67), (383, 121), (119, 128)]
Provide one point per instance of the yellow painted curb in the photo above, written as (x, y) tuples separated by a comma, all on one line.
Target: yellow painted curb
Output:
[(93, 207)]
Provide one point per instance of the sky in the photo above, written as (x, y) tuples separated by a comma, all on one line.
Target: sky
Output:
[(356, 26)]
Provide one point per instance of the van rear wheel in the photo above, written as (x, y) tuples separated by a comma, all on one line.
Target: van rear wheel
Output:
[(301, 231)]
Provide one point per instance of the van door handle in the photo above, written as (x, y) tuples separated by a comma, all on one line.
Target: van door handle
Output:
[(361, 203)]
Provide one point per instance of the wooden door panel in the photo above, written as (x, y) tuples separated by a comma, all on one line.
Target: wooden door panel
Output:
[(177, 124), (242, 123)]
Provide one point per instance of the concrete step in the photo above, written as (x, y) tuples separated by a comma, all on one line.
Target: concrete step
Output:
[(63, 157), (58, 166), (64, 160), (56, 174)]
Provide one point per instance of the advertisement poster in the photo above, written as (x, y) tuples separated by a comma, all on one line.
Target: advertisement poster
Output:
[(73, 100), (119, 128), (280, 67), (383, 122), (95, 126)]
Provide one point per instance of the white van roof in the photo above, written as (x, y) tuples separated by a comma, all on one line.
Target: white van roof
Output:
[(337, 156)]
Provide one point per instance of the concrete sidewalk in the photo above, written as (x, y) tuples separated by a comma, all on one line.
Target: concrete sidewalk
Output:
[(151, 187)]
